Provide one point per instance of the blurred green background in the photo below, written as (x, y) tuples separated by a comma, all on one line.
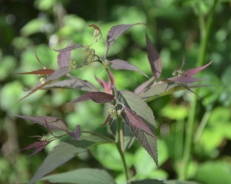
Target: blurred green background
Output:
[(176, 29)]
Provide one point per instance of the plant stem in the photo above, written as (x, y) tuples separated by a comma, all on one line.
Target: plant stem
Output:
[(193, 103), (118, 145)]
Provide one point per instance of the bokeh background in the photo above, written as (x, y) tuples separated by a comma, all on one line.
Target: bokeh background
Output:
[(176, 29)]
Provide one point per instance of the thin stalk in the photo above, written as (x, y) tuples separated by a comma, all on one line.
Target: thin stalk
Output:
[(118, 145), (193, 103)]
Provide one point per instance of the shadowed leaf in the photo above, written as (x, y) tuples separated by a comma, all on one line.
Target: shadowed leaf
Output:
[(119, 64), (98, 97), (154, 59), (39, 72), (63, 153), (52, 122), (139, 107), (81, 176)]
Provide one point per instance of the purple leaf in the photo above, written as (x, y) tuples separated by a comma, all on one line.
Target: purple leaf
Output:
[(137, 122), (38, 146), (193, 71), (154, 59), (143, 86), (186, 79), (116, 31), (107, 85), (98, 97), (64, 56), (119, 64), (39, 72), (74, 83), (69, 48), (55, 75), (52, 122), (76, 133), (107, 120)]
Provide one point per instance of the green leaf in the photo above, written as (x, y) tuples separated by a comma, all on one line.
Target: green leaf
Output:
[(179, 182), (81, 176), (137, 105), (64, 152), (148, 181), (214, 172), (33, 26)]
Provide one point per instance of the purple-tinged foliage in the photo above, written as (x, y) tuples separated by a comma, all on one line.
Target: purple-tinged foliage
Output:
[(186, 76), (98, 97), (64, 56), (119, 64), (44, 71), (52, 122), (143, 86), (116, 31), (76, 133), (69, 47), (73, 83), (106, 120), (107, 85), (38, 145), (154, 59), (55, 75), (136, 121)]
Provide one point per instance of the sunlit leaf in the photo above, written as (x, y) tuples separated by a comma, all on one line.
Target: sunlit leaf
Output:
[(63, 153), (81, 176), (99, 97), (52, 122), (119, 64), (154, 59)]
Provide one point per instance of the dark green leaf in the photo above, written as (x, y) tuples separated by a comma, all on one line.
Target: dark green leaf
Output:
[(81, 176), (148, 181), (63, 153)]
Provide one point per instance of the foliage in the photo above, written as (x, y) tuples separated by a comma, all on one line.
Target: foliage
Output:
[(173, 36)]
